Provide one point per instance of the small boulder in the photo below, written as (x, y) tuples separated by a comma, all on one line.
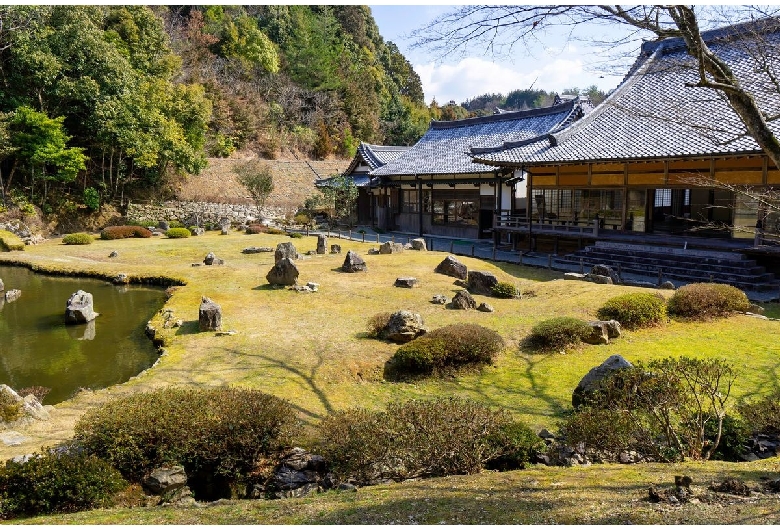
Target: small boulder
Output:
[(407, 282), (452, 267), (165, 479), (391, 248), (209, 315), (256, 250), (12, 295), (463, 300), (285, 250), (598, 333), (590, 383), (403, 326), (440, 299), (322, 244), (78, 309), (667, 285), (113, 254), (603, 280), (481, 282), (198, 231), (485, 308), (613, 328), (606, 270), (353, 263), (283, 273), (419, 244), (211, 259), (224, 231), (121, 279), (335, 249), (164, 225), (574, 276)]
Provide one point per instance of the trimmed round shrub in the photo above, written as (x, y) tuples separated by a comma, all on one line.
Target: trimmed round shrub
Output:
[(275, 231), (422, 438), (177, 233), (700, 301), (451, 347), (10, 241), (295, 235), (124, 232), (505, 290), (558, 333), (57, 482), (635, 310), (79, 238), (219, 432), (256, 229)]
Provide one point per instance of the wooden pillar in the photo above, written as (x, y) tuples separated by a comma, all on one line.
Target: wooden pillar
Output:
[(420, 204)]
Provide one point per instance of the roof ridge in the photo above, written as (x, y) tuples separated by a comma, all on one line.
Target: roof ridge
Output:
[(732, 31), (505, 116)]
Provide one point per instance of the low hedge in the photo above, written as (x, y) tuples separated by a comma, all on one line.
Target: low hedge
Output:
[(124, 232), (423, 438), (444, 349), (216, 432), (61, 481), (10, 241), (635, 310), (256, 229), (79, 238), (558, 333), (701, 301), (177, 233)]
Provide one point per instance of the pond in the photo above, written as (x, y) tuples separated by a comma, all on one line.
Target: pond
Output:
[(38, 349)]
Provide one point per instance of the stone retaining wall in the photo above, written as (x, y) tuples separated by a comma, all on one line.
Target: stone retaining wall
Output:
[(197, 213)]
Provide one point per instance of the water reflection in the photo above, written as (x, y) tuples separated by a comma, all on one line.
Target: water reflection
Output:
[(37, 348)]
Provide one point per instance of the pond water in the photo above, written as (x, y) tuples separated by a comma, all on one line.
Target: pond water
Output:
[(38, 349)]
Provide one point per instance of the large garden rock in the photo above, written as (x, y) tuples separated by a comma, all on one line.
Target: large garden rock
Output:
[(297, 474), (407, 281), (209, 315), (598, 333), (452, 267), (31, 408), (390, 248), (335, 249), (79, 308), (481, 282), (419, 244), (322, 244), (403, 326), (285, 250), (283, 273), (590, 383), (463, 300), (353, 263), (606, 270), (165, 479)]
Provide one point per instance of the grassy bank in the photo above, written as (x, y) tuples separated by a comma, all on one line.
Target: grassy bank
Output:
[(312, 350)]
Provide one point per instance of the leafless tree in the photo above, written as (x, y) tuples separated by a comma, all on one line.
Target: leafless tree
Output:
[(502, 28)]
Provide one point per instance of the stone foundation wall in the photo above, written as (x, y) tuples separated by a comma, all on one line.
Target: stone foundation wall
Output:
[(197, 213)]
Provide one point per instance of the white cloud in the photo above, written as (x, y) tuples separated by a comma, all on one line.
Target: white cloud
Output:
[(474, 76)]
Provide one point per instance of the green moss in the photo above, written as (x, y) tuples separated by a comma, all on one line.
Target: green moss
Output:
[(10, 241)]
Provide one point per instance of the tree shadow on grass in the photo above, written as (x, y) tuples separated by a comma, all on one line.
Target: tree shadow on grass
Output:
[(188, 327)]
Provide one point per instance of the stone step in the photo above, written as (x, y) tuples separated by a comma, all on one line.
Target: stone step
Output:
[(655, 260)]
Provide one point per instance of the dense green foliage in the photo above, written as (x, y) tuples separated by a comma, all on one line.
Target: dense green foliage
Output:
[(422, 439), (176, 233), (557, 333), (451, 347), (220, 431), (10, 241), (79, 238), (57, 482), (505, 290), (707, 300), (635, 310), (762, 414), (122, 232), (669, 410)]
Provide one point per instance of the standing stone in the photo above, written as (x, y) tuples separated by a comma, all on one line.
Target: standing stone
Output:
[(285, 250), (209, 315), (79, 308), (481, 282), (452, 267), (419, 244), (335, 249), (590, 383), (211, 259), (224, 231), (224, 224), (390, 248), (605, 270), (322, 244), (463, 300), (353, 263), (403, 326), (12, 295), (283, 273)]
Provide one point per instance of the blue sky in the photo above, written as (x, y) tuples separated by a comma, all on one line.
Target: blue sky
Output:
[(555, 64)]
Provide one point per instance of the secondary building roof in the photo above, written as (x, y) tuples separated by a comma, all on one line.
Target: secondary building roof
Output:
[(654, 114), (445, 147)]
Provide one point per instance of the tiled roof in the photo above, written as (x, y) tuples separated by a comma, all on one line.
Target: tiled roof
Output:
[(444, 149), (653, 114), (374, 156)]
